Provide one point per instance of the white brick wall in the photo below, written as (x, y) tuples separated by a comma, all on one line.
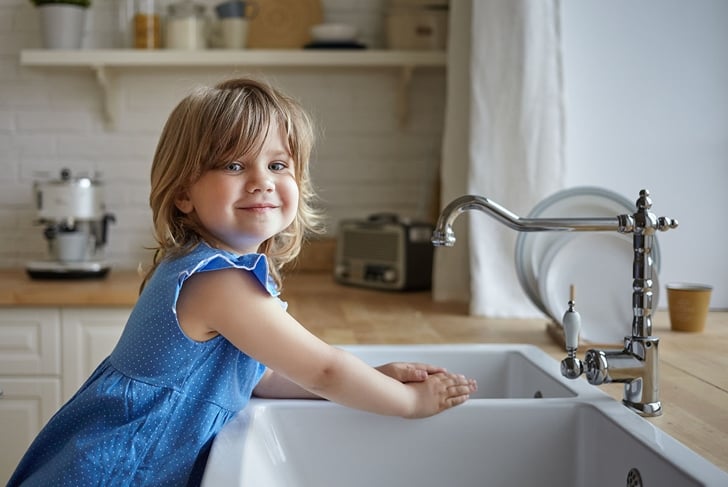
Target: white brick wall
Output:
[(52, 118)]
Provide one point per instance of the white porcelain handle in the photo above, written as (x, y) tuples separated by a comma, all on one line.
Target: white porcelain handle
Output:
[(572, 324)]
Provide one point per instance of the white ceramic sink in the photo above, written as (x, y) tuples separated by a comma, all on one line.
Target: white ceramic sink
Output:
[(578, 436), (502, 371)]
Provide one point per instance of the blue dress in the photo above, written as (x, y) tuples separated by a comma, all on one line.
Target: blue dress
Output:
[(150, 411)]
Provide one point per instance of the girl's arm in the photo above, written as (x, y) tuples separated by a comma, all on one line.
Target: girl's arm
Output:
[(274, 386), (233, 304)]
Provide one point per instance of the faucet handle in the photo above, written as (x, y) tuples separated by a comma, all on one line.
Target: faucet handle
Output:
[(571, 366), (572, 324), (664, 223)]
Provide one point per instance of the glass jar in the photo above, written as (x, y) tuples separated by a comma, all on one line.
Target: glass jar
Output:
[(124, 24), (186, 26), (147, 24)]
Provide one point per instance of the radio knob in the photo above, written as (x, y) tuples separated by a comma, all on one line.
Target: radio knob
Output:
[(390, 275)]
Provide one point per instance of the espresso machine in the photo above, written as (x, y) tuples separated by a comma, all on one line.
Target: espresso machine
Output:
[(73, 214)]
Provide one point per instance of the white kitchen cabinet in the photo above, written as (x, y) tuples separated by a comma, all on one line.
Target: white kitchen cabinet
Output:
[(45, 355), (30, 341), (89, 336), (26, 405), (30, 378)]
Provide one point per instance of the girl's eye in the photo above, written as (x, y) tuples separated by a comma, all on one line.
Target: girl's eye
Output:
[(234, 167), (277, 166)]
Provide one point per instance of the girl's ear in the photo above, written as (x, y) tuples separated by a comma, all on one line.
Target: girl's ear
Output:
[(183, 202)]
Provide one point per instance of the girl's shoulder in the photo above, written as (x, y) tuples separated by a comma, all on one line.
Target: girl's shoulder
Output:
[(204, 258)]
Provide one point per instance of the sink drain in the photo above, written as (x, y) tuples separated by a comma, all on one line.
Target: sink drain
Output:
[(634, 479), (537, 395)]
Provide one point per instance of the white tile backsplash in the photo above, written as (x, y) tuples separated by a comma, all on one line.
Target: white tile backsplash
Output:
[(51, 118)]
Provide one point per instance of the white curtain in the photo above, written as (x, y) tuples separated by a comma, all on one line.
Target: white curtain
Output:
[(451, 267), (506, 71)]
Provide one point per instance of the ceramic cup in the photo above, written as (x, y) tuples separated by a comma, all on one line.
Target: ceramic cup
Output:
[(688, 306), (233, 32)]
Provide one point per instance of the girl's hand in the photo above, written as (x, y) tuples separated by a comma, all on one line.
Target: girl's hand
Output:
[(440, 391), (409, 371)]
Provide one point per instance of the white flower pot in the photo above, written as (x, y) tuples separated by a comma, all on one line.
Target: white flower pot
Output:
[(62, 26)]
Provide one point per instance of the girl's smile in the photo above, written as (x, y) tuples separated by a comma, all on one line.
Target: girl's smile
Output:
[(259, 208)]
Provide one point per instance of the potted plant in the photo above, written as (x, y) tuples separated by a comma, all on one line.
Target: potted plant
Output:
[(62, 22)]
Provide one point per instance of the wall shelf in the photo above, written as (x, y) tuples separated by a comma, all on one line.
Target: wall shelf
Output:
[(106, 63), (119, 58)]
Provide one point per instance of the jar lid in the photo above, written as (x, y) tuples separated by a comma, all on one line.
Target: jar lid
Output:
[(186, 8)]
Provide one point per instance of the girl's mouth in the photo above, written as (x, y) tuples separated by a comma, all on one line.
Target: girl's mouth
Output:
[(259, 208)]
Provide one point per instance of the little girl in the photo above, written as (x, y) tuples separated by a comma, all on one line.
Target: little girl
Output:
[(231, 202)]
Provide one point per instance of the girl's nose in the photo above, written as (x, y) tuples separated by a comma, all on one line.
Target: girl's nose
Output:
[(259, 180)]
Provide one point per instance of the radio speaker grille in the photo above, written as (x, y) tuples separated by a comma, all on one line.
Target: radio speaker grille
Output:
[(370, 245)]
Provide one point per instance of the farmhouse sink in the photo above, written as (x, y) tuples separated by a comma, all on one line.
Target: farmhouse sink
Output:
[(568, 435), (502, 371)]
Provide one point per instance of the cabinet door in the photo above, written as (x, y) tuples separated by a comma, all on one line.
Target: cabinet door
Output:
[(89, 336), (30, 341), (26, 405)]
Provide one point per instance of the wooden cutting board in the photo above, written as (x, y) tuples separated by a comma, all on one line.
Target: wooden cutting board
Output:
[(284, 24)]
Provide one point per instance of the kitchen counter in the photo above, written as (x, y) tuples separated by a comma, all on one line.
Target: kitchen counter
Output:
[(694, 385), (118, 289)]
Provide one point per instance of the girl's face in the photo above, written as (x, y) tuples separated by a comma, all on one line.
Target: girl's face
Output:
[(247, 201)]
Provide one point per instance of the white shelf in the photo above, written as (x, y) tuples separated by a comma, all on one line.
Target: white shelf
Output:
[(120, 58), (107, 62)]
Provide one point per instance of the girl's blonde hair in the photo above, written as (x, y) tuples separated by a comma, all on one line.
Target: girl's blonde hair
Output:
[(207, 130)]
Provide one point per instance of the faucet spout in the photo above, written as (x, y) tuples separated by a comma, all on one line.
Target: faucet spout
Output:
[(443, 234)]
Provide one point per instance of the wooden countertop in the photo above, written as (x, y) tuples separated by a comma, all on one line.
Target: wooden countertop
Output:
[(118, 288), (694, 384)]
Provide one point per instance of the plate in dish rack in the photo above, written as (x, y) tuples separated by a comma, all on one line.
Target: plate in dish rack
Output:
[(600, 268), (583, 201)]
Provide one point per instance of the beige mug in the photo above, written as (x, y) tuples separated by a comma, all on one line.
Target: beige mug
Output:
[(688, 305), (233, 32)]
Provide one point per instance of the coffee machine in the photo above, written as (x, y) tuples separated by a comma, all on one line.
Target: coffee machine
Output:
[(73, 213)]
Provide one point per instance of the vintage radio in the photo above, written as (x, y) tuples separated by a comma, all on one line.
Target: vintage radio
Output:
[(384, 252)]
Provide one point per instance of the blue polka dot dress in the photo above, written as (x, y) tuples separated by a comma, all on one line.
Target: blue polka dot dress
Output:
[(150, 411)]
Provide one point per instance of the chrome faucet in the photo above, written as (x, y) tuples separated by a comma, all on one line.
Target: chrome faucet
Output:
[(637, 364)]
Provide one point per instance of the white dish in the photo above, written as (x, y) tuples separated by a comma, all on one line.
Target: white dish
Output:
[(583, 201), (333, 33), (600, 268)]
